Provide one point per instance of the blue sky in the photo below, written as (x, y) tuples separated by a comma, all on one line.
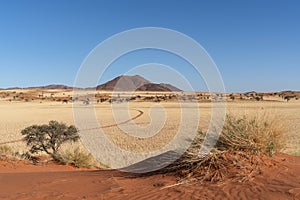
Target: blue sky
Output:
[(255, 44)]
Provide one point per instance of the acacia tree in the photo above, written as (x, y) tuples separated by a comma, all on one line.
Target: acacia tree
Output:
[(49, 137)]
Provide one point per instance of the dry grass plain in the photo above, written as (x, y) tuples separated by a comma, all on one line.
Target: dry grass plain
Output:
[(16, 115), (22, 180)]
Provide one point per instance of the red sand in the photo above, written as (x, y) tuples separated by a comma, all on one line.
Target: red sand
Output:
[(20, 180)]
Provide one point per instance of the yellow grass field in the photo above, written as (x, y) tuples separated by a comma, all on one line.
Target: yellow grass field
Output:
[(15, 116)]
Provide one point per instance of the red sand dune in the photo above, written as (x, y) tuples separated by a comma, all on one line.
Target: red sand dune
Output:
[(18, 180)]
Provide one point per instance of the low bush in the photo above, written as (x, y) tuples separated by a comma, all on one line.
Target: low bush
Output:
[(242, 146), (5, 150), (7, 153), (78, 158), (258, 135)]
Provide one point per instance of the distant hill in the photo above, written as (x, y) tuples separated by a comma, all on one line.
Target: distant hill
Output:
[(57, 87), (252, 92), (11, 88), (132, 83), (120, 83), (54, 87), (158, 87), (124, 83), (171, 87), (47, 87)]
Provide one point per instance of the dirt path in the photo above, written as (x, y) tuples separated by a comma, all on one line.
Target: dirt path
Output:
[(106, 126)]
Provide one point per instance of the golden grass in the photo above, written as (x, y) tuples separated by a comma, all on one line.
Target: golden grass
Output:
[(5, 150), (8, 154), (241, 147), (16, 116), (77, 157), (263, 134)]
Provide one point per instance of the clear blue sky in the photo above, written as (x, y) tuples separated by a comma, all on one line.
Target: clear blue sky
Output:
[(255, 44)]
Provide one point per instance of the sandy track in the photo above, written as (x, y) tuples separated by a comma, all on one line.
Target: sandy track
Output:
[(124, 122), (106, 126), (12, 141)]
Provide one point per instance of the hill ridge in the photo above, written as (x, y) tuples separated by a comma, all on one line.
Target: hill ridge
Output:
[(135, 83)]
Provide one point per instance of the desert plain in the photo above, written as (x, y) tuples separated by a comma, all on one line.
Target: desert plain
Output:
[(21, 108)]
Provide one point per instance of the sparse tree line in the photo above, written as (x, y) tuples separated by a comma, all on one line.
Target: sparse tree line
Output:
[(122, 97)]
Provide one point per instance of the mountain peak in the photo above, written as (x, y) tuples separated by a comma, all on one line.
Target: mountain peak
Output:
[(132, 83)]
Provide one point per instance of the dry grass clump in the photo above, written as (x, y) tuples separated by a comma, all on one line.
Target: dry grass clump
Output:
[(242, 146), (8, 154), (5, 152), (78, 158), (296, 154), (261, 134)]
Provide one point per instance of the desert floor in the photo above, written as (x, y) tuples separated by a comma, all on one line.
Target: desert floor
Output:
[(16, 116), (20, 180)]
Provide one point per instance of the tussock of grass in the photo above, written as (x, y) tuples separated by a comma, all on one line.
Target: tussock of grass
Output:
[(296, 154), (7, 153), (77, 158), (258, 134), (242, 146), (5, 150)]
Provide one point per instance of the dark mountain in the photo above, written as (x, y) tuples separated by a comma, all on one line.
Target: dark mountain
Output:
[(132, 83), (171, 87), (124, 83), (158, 87), (57, 87)]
